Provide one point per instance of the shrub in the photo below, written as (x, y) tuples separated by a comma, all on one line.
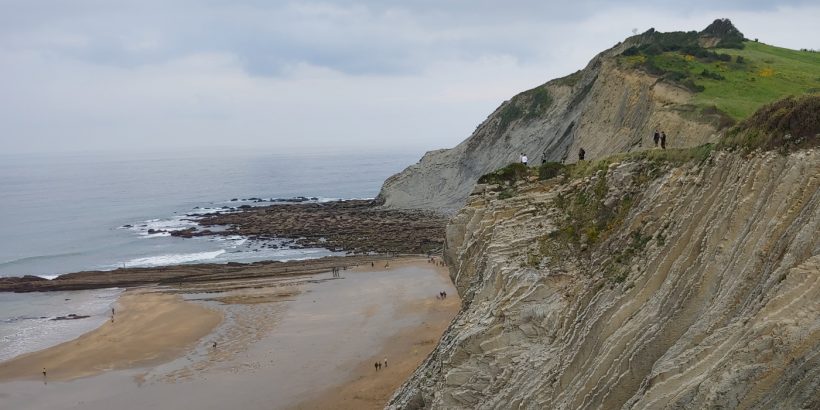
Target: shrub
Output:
[(509, 174), (505, 194), (711, 74), (550, 170), (690, 85)]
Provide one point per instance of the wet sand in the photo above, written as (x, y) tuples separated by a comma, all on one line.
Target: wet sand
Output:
[(148, 328), (288, 342)]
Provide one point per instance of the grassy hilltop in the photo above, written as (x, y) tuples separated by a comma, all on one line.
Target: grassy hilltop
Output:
[(737, 77)]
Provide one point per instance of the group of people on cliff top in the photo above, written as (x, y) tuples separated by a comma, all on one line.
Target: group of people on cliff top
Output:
[(660, 137)]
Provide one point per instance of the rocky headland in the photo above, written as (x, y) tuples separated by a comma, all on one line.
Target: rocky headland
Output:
[(691, 85), (685, 278)]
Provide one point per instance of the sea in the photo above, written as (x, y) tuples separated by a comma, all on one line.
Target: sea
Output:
[(64, 213)]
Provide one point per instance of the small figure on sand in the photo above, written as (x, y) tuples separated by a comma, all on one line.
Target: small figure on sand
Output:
[(372, 264), (385, 362), (378, 366), (656, 137), (387, 265), (581, 154), (214, 345), (663, 139)]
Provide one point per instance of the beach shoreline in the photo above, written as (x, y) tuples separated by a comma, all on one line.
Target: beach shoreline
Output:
[(145, 328), (250, 312)]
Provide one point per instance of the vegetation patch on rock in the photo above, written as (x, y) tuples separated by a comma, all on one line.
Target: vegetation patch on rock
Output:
[(528, 105), (785, 125)]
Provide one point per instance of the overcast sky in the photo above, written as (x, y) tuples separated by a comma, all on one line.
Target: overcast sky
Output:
[(280, 76)]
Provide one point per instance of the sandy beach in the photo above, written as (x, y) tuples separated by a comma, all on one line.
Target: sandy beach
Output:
[(295, 341), (149, 328)]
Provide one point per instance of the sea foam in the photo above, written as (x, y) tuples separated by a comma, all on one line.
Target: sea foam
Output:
[(174, 259)]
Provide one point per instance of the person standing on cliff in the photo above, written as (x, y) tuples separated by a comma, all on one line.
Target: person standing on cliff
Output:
[(581, 154), (656, 138), (663, 140), (524, 158)]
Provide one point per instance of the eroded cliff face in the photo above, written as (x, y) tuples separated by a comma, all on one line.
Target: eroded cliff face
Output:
[(645, 285), (603, 108)]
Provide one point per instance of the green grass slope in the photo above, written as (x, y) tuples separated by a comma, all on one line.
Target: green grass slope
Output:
[(736, 81)]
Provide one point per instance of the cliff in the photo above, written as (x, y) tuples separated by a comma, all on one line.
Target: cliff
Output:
[(664, 279), (683, 83)]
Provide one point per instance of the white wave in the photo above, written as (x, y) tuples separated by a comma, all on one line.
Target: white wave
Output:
[(173, 259), (203, 211)]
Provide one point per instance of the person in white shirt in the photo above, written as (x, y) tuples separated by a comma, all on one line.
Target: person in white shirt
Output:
[(524, 159)]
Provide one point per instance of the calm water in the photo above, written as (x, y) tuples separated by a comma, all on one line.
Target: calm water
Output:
[(66, 213)]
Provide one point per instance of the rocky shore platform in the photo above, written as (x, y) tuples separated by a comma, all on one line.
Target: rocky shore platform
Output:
[(356, 226), (186, 274)]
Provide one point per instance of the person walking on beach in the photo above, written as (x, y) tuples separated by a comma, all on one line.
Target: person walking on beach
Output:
[(376, 365), (44, 372), (385, 362), (663, 139)]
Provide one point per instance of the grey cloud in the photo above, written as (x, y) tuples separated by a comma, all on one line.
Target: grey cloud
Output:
[(353, 37), (91, 73)]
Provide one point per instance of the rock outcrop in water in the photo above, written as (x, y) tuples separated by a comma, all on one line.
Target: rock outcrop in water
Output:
[(643, 285)]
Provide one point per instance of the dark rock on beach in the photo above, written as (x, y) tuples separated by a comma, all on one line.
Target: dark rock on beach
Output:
[(356, 226), (72, 316), (181, 274)]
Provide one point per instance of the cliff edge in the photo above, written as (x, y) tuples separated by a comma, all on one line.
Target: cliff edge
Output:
[(692, 85), (685, 278)]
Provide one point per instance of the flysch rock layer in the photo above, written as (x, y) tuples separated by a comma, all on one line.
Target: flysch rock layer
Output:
[(719, 308), (603, 108)]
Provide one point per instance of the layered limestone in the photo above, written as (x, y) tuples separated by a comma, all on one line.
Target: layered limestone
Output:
[(603, 109), (643, 285)]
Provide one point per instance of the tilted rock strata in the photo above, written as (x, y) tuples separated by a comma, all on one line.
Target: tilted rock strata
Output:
[(603, 108), (706, 294)]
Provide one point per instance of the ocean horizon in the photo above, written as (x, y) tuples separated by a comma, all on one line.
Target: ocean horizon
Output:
[(73, 212)]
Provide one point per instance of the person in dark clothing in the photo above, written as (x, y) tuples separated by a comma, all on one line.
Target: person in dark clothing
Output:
[(581, 154), (656, 137), (663, 140)]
